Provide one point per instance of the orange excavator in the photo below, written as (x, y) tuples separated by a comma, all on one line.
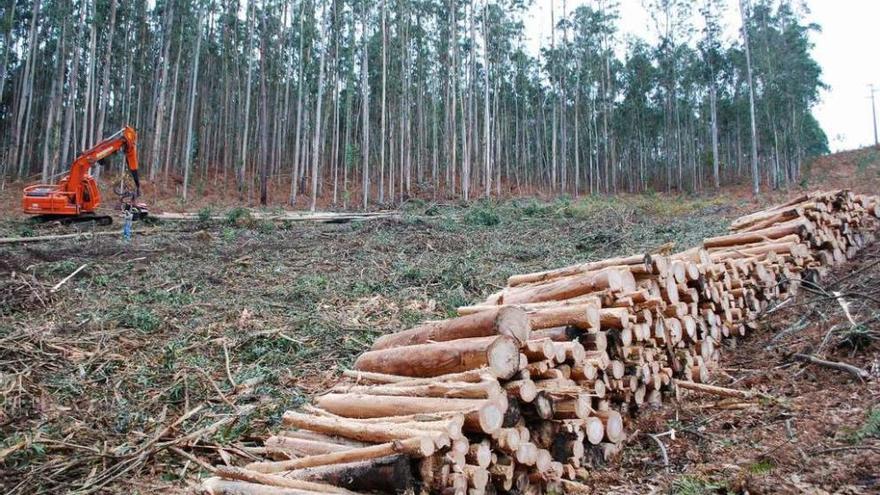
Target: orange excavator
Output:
[(76, 197)]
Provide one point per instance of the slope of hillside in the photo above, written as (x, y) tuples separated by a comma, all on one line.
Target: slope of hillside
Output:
[(858, 170)]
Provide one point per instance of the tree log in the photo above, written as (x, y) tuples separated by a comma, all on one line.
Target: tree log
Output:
[(301, 447), (594, 299), (366, 432), (558, 334), (847, 368), (414, 447), (714, 390), (528, 278), (584, 316), (595, 430), (499, 354), (486, 414), (510, 321), (524, 389), (613, 422), (219, 486), (234, 473), (454, 390), (610, 279), (391, 474)]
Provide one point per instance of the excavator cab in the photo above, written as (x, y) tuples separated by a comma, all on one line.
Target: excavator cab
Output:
[(57, 202)]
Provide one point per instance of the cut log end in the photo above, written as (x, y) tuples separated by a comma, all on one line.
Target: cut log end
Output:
[(491, 417), (595, 430), (503, 357), (513, 322)]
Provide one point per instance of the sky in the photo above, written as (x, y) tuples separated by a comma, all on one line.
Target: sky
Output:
[(846, 49)]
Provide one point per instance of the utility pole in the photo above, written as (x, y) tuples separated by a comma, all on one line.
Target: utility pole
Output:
[(874, 114)]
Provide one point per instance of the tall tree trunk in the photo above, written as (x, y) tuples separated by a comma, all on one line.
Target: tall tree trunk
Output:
[(73, 82), (263, 115), (486, 116), (242, 170), (7, 42), (365, 107), (169, 142), (187, 154), (316, 144), (713, 104), (383, 128), (160, 103), (88, 127), (25, 93), (756, 178), (49, 140), (104, 92), (294, 176)]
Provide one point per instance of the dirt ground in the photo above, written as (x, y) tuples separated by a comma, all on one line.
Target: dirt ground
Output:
[(183, 348), (812, 430)]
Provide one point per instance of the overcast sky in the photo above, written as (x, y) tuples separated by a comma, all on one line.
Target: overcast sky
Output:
[(847, 50)]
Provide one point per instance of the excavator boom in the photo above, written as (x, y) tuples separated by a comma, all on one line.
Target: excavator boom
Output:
[(77, 193)]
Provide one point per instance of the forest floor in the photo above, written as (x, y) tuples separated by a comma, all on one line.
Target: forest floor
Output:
[(182, 348)]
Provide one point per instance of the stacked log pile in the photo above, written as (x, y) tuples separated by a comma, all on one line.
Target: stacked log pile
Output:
[(527, 390)]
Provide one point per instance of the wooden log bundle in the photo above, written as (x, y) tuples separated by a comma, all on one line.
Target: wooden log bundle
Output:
[(530, 387)]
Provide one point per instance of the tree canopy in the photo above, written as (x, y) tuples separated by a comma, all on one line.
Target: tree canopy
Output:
[(365, 102)]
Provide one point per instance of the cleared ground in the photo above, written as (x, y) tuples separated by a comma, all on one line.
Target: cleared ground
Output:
[(183, 346)]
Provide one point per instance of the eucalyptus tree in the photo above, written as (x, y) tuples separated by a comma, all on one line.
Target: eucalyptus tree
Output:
[(756, 178), (390, 99), (710, 51)]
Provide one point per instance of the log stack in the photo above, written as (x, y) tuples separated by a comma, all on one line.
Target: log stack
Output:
[(527, 390)]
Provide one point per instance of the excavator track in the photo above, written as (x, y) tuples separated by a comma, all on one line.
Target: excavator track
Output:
[(99, 220)]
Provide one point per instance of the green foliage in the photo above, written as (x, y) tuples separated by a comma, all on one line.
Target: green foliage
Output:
[(62, 267), (414, 205), (138, 318), (693, 485), (867, 159), (804, 182), (409, 273), (858, 337), (26, 231), (869, 429), (128, 418), (598, 239), (21, 457), (762, 467), (239, 217), (266, 226), (535, 208), (229, 234), (166, 298), (308, 287), (205, 215), (101, 279), (452, 298), (483, 214)]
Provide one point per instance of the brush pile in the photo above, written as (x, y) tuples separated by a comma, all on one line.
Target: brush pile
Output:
[(527, 390)]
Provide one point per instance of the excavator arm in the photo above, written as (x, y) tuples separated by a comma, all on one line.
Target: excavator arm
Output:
[(125, 140)]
